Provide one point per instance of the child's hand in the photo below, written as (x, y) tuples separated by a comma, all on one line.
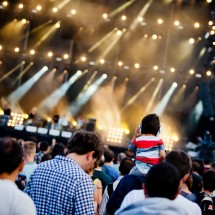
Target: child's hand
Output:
[(137, 132)]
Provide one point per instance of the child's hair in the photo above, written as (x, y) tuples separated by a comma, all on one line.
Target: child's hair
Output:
[(150, 124)]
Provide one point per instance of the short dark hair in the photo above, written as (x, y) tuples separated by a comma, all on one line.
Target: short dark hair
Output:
[(208, 179), (58, 149), (181, 160), (83, 142), (150, 124), (126, 165), (11, 155), (44, 146), (163, 180), (109, 155)]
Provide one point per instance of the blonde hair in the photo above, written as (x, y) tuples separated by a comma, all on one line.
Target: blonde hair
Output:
[(29, 148)]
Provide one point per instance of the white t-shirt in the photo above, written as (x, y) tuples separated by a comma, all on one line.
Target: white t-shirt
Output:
[(136, 195), (13, 201)]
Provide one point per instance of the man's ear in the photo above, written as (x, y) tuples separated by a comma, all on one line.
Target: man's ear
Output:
[(90, 155), (185, 177), (21, 166)]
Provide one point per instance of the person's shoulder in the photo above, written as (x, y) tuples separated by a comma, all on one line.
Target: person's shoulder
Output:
[(189, 205)]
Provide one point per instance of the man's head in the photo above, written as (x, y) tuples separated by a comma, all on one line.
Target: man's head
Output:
[(162, 180), (150, 124), (126, 165), (85, 143), (43, 145), (29, 149), (109, 155), (11, 155), (208, 180), (181, 161)]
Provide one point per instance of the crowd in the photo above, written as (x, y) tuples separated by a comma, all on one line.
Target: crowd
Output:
[(87, 177)]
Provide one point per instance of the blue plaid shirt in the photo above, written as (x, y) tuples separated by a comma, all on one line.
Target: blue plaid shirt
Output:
[(60, 186)]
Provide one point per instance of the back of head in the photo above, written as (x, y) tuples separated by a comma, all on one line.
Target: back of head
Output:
[(11, 155), (109, 155), (126, 165), (121, 156), (150, 124), (101, 161), (163, 180), (43, 146), (29, 148), (208, 179), (58, 149), (83, 142), (180, 160)]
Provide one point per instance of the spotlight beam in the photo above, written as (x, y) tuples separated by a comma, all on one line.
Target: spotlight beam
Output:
[(108, 35), (15, 96), (90, 80), (132, 99), (55, 97), (11, 71), (121, 8), (24, 71), (40, 27), (84, 97), (115, 39), (159, 109), (154, 95)]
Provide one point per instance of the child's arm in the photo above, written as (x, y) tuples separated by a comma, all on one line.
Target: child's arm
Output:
[(162, 155), (131, 146)]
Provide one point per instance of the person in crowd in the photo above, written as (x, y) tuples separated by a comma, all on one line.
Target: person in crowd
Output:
[(125, 166), (31, 116), (119, 158), (7, 114), (12, 200), (107, 167), (63, 122), (101, 175), (149, 148), (186, 187), (46, 157), (183, 163), (205, 199), (55, 120), (161, 187), (58, 149), (61, 185), (43, 148), (29, 156)]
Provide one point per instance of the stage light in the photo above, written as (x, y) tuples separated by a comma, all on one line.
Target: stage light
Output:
[(209, 1), (208, 73), (154, 36), (83, 58), (137, 65), (104, 15), (16, 49), (160, 21), (212, 32), (176, 23), (120, 63), (73, 11), (140, 19), (123, 18), (155, 67), (119, 32), (50, 54), (1, 47), (191, 71), (66, 56), (57, 25), (20, 6), (24, 21), (32, 51), (5, 3), (159, 109), (16, 95), (172, 69), (54, 10), (196, 25), (191, 41), (115, 135), (39, 8), (102, 61), (210, 22)]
